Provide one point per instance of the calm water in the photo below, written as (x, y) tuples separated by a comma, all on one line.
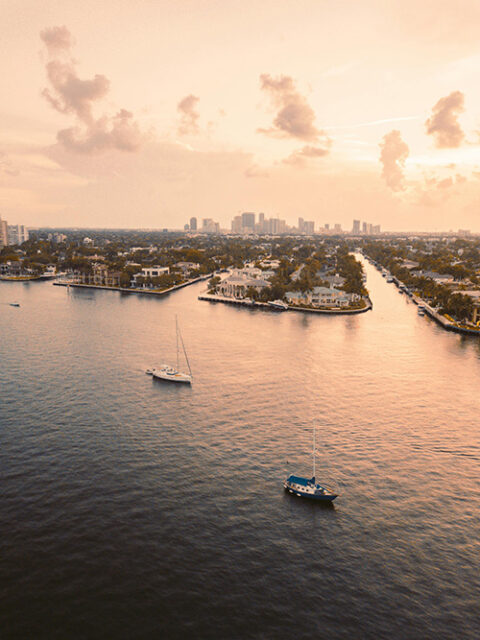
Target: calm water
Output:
[(135, 509)]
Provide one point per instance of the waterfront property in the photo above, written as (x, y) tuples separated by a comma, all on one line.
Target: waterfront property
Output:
[(238, 284), (322, 297)]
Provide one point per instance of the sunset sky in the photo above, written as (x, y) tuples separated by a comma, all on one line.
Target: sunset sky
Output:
[(139, 113)]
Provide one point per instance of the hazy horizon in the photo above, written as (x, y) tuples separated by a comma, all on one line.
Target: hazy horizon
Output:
[(151, 113)]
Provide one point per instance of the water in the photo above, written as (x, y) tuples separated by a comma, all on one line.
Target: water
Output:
[(131, 508)]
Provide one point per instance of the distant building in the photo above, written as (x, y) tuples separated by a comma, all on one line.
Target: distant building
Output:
[(300, 224), (210, 226), (364, 227), (337, 228), (193, 224), (17, 233), (3, 233), (237, 224), (248, 222), (356, 227), (186, 227), (309, 227), (327, 227), (261, 222)]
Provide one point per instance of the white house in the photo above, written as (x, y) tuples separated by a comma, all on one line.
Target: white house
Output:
[(236, 285), (321, 297), (154, 272)]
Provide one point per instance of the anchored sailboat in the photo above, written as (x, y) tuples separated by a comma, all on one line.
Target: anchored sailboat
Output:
[(309, 488), (173, 374)]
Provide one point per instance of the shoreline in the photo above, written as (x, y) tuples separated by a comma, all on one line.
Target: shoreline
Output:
[(151, 292), (25, 278), (446, 324), (264, 305)]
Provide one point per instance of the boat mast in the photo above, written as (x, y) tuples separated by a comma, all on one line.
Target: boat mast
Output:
[(314, 452), (185, 354), (178, 350)]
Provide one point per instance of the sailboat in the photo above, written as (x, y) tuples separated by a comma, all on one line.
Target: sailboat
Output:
[(308, 487), (173, 374)]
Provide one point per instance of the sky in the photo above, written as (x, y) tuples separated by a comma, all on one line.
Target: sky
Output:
[(143, 113)]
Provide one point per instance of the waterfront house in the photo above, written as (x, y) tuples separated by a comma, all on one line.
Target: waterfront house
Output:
[(299, 297), (237, 284), (321, 297), (187, 267), (330, 297)]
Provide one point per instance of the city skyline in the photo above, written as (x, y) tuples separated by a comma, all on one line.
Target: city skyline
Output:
[(305, 110)]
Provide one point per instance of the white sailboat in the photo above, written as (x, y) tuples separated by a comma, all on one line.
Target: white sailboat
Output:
[(173, 374)]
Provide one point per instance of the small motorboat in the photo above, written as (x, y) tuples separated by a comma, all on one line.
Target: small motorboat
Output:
[(14, 304), (278, 305)]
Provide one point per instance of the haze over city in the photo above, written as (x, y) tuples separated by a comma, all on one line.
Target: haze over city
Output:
[(145, 114)]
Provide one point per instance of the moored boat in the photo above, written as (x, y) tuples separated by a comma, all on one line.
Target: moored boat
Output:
[(169, 373), (309, 487), (279, 305)]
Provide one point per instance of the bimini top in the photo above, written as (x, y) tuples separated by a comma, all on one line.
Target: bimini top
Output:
[(304, 482)]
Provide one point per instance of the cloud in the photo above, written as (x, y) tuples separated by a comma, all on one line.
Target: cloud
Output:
[(394, 152), (56, 39), (69, 94), (6, 165), (254, 171), (295, 118), (443, 123), (188, 115), (299, 156)]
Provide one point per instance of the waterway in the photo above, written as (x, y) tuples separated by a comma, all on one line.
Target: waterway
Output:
[(131, 508)]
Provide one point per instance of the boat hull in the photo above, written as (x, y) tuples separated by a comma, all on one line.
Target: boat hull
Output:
[(170, 378), (303, 489), (170, 375), (329, 497)]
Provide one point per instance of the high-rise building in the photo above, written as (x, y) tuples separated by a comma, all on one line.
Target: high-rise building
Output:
[(193, 224), (237, 224), (327, 226), (376, 229), (337, 228), (261, 223), (301, 222), (210, 226), (248, 222), (356, 226), (309, 227), (3, 233), (364, 227), (17, 233)]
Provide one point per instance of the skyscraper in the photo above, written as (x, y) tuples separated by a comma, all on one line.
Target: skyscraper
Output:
[(261, 222), (356, 226), (17, 233), (3, 233), (193, 224), (300, 224), (248, 222)]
